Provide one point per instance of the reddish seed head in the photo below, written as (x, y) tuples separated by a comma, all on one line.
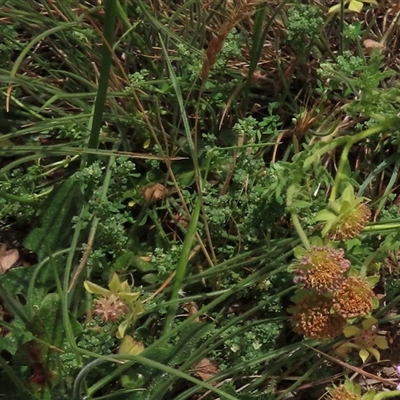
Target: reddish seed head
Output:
[(110, 308)]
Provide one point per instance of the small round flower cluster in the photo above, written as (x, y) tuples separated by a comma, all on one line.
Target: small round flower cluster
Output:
[(366, 338), (351, 223), (313, 318), (322, 269), (110, 308), (353, 298), (327, 297)]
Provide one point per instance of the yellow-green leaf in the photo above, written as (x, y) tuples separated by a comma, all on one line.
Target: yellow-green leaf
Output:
[(350, 331), (328, 226), (355, 5), (375, 303), (146, 144), (363, 354), (324, 215), (369, 323), (381, 343), (316, 241), (130, 346), (115, 284), (96, 289), (5, 142), (299, 251), (123, 326), (129, 296), (375, 353), (138, 308), (348, 193), (334, 9), (344, 349), (124, 287)]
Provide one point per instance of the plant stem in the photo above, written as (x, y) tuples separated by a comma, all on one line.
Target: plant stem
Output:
[(295, 219), (182, 265), (341, 27), (344, 156), (18, 199)]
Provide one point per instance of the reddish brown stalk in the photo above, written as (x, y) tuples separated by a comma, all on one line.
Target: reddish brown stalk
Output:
[(355, 369), (217, 42)]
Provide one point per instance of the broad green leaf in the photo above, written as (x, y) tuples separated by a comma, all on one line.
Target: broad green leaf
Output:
[(18, 334), (47, 324), (298, 204), (17, 280), (313, 158), (55, 216), (42, 357), (143, 265), (351, 243), (299, 251), (125, 261), (324, 215), (151, 278), (348, 193), (346, 206), (316, 241), (42, 366)]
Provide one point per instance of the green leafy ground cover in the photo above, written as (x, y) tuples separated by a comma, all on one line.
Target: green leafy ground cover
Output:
[(199, 200)]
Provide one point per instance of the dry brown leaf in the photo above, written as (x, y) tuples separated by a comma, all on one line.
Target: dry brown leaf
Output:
[(7, 259), (181, 219), (192, 309), (394, 8), (154, 192), (206, 369), (370, 45)]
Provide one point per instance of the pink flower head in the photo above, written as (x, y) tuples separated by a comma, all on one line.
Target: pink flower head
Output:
[(322, 269)]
